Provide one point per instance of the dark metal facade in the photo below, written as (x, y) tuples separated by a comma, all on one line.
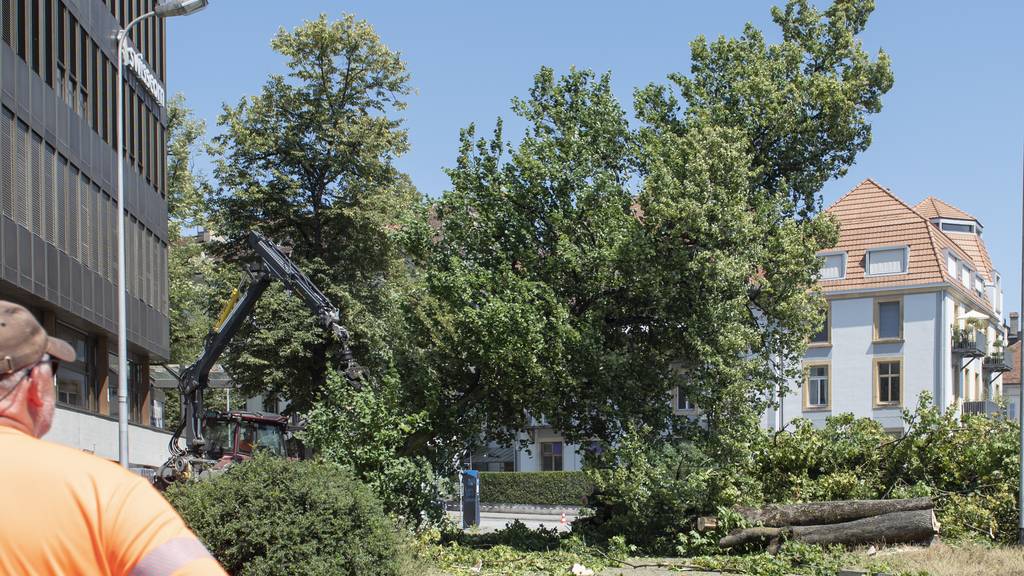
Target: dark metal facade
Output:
[(58, 227)]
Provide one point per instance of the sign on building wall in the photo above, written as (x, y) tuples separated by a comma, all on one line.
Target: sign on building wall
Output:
[(138, 65)]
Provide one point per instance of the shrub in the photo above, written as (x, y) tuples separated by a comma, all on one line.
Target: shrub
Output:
[(275, 516), (656, 489), (658, 485), (361, 430), (568, 488)]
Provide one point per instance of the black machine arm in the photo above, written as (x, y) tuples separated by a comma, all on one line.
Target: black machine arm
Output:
[(273, 264)]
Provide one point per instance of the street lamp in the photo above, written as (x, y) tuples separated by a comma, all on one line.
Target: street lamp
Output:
[(163, 10)]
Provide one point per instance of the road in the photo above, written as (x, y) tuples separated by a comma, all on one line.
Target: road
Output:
[(491, 521)]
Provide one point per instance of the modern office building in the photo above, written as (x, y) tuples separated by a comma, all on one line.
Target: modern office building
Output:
[(58, 207)]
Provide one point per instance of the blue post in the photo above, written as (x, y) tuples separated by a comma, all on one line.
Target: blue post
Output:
[(470, 498)]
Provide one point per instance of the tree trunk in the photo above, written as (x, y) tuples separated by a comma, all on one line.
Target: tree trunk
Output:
[(750, 535), (811, 513), (893, 528)]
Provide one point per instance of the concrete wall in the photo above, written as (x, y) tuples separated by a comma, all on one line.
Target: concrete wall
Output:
[(96, 434)]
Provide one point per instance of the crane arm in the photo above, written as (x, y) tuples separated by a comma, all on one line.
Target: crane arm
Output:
[(272, 264)]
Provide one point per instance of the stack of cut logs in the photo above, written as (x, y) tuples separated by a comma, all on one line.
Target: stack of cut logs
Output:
[(849, 522)]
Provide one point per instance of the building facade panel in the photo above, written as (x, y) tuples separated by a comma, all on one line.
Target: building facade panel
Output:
[(58, 211)]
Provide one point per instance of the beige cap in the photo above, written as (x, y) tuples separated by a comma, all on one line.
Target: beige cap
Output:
[(23, 341)]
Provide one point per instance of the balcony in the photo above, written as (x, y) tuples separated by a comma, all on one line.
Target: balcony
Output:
[(996, 362), (981, 408), (969, 343)]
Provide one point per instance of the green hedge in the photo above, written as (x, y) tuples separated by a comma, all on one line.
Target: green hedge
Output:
[(568, 488)]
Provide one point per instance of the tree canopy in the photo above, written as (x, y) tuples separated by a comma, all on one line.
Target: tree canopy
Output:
[(579, 274), (309, 160), (587, 271)]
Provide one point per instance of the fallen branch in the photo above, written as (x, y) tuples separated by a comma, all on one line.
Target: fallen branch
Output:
[(894, 528), (813, 513)]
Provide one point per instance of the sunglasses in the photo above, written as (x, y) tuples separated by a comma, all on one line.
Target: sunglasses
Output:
[(46, 359)]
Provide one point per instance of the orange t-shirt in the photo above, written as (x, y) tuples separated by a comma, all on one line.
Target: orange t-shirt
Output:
[(63, 511)]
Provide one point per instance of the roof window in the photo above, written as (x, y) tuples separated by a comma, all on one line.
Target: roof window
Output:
[(833, 266), (961, 228), (887, 261)]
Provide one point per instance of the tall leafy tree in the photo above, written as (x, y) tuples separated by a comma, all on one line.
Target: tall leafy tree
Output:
[(584, 273), (197, 282), (310, 161)]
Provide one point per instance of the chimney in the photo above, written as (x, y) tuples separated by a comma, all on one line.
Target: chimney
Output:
[(1014, 334)]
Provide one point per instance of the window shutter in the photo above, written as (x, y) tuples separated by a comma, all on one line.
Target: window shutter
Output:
[(887, 261), (833, 267), (36, 176), (21, 178), (888, 319), (50, 195), (6, 163), (61, 191)]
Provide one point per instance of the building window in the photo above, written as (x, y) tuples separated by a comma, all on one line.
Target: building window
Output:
[(833, 266), (962, 228), (965, 275), (551, 456), (818, 389), (682, 401), (888, 382), (73, 379), (951, 264), (888, 319), (884, 261), (824, 336)]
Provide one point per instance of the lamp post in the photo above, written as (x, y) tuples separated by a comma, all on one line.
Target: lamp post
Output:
[(163, 10), (1020, 395)]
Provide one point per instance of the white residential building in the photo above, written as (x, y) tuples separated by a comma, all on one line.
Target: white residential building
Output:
[(915, 306)]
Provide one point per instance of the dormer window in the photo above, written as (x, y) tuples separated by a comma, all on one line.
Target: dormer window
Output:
[(961, 228), (965, 275), (833, 266), (887, 261), (951, 263)]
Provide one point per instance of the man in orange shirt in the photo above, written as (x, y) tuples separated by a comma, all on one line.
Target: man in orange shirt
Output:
[(63, 511)]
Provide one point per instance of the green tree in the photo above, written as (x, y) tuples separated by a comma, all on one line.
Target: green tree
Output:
[(309, 160), (275, 516), (197, 283), (584, 273)]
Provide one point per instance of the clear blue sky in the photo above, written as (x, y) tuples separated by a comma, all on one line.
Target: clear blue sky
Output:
[(953, 125)]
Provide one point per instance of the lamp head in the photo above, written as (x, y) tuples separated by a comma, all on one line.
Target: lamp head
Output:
[(170, 8)]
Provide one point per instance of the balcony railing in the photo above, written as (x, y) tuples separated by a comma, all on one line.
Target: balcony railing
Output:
[(981, 408), (996, 362), (969, 343)]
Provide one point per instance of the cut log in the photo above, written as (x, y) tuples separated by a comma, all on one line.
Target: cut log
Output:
[(750, 536), (813, 513), (894, 528)]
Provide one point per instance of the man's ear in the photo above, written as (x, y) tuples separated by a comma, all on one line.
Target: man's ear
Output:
[(35, 388)]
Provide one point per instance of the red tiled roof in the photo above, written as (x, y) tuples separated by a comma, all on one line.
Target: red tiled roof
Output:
[(932, 207), (870, 216)]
